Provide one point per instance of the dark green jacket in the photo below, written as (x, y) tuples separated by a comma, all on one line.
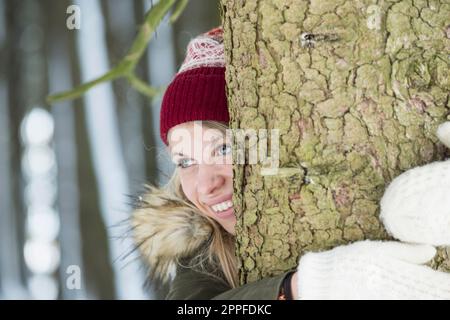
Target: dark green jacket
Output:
[(165, 236), (189, 284)]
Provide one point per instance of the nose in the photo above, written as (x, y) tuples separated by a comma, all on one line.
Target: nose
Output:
[(208, 179)]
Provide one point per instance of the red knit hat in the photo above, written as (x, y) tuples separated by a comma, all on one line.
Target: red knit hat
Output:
[(197, 91)]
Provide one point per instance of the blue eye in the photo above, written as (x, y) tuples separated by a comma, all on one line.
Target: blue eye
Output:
[(224, 149), (184, 163)]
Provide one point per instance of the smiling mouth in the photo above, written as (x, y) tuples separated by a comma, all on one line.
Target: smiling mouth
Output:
[(223, 210), (223, 206)]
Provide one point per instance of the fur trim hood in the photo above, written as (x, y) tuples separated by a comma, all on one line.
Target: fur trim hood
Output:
[(166, 229)]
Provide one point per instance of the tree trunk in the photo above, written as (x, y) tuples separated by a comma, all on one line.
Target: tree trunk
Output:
[(357, 91)]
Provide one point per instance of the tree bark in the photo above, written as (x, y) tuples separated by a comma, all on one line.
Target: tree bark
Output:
[(357, 90)]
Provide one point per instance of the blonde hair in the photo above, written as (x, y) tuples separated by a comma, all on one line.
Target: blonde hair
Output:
[(210, 243)]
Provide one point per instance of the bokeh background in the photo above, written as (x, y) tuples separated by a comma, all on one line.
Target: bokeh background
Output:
[(69, 171)]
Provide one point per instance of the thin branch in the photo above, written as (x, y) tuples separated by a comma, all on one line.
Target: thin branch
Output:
[(142, 86), (126, 66), (179, 8), (152, 20), (80, 90)]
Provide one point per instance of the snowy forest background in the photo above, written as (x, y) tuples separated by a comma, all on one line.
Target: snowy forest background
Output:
[(67, 171)]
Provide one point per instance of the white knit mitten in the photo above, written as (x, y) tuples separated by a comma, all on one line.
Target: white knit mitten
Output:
[(371, 270), (416, 205)]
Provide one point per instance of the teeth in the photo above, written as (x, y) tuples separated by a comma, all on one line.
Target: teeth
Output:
[(222, 206)]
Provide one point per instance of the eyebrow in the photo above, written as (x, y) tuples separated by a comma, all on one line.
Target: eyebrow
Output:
[(181, 154)]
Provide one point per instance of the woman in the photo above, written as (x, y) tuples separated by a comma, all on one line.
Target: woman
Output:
[(186, 228)]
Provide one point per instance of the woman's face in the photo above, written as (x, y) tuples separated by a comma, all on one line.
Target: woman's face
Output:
[(203, 156)]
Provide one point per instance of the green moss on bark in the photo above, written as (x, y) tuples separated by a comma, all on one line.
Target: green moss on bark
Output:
[(353, 114)]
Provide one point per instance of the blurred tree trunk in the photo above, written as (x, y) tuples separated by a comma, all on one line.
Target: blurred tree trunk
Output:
[(357, 101), (12, 211)]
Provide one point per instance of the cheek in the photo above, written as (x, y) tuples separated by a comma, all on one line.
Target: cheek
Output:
[(228, 171), (188, 186)]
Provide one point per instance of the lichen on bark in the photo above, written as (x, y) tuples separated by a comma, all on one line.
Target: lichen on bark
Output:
[(355, 109)]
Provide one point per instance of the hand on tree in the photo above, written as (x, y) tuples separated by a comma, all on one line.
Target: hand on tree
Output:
[(416, 205), (371, 270), (415, 208)]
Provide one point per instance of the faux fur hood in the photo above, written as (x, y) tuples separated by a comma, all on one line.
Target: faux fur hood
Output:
[(165, 230)]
